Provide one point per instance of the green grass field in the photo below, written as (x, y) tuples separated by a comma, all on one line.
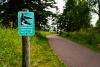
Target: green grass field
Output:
[(40, 52), (88, 39)]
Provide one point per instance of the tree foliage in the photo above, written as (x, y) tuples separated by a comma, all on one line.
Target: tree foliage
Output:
[(76, 15), (40, 7)]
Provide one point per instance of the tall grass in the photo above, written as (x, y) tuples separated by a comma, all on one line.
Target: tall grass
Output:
[(40, 52), (10, 53)]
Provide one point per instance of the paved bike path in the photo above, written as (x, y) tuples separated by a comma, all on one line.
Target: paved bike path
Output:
[(73, 54)]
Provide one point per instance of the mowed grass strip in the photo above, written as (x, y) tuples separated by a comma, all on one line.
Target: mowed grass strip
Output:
[(41, 55), (88, 39)]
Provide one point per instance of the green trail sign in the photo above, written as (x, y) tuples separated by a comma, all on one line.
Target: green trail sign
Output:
[(26, 26)]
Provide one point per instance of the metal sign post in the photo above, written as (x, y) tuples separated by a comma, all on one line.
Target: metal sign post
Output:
[(26, 29)]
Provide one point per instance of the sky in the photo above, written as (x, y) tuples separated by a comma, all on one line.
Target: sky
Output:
[(61, 3), (94, 18)]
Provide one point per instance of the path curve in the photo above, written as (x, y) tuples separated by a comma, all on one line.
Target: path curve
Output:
[(73, 54)]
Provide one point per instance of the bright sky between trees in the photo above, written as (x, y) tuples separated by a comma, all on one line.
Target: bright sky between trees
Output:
[(61, 4)]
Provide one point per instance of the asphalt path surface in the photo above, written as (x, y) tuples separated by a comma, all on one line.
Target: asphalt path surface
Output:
[(73, 54)]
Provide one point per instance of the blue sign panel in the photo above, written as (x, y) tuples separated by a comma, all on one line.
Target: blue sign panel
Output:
[(26, 25)]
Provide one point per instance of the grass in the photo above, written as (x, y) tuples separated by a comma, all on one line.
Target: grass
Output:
[(40, 52), (88, 39)]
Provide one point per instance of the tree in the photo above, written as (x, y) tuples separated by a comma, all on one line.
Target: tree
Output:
[(11, 8), (76, 15)]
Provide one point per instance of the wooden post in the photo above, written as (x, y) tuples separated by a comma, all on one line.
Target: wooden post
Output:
[(25, 49)]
